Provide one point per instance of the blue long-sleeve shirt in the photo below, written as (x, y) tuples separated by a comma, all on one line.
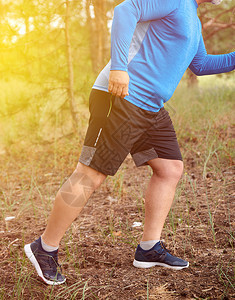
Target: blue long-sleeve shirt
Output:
[(155, 41)]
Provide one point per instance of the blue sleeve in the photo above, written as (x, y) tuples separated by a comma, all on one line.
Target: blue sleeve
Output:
[(126, 16), (205, 64)]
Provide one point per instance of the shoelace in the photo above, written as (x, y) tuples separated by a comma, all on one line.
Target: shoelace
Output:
[(164, 247), (53, 261)]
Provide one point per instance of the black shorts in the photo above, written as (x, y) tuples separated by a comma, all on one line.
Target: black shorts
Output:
[(118, 127)]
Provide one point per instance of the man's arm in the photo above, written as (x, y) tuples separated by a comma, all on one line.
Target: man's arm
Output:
[(206, 64), (126, 16)]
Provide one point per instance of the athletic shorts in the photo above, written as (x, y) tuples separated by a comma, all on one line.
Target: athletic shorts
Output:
[(118, 127)]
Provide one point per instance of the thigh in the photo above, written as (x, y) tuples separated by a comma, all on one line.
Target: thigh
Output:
[(100, 103), (111, 133), (159, 141)]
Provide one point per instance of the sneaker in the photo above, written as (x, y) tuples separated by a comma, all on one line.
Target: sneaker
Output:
[(45, 263), (158, 255)]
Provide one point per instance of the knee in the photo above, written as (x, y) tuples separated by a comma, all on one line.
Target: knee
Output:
[(89, 176), (169, 170), (80, 185)]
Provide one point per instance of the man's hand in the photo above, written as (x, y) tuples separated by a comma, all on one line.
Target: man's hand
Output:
[(118, 83)]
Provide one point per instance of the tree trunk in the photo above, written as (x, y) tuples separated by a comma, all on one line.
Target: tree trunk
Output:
[(73, 106), (99, 45), (28, 68), (98, 30), (92, 44)]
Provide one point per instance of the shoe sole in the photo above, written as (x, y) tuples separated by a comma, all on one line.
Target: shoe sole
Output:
[(32, 258), (145, 265)]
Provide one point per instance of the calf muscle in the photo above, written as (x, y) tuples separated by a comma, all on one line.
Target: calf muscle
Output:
[(77, 189)]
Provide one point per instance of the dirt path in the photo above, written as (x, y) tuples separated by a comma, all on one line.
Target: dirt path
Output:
[(97, 252)]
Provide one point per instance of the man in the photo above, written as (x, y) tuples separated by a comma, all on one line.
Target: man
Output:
[(152, 44)]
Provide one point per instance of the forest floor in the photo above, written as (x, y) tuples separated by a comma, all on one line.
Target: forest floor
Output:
[(97, 252)]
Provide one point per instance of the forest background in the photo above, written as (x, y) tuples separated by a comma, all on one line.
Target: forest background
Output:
[(50, 55), (52, 51)]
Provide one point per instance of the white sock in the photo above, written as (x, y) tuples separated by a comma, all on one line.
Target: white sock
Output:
[(146, 245), (47, 247)]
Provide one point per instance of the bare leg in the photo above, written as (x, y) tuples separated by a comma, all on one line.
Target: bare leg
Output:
[(69, 202), (159, 195)]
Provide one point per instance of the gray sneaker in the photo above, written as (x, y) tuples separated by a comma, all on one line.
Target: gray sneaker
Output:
[(158, 255), (45, 263)]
